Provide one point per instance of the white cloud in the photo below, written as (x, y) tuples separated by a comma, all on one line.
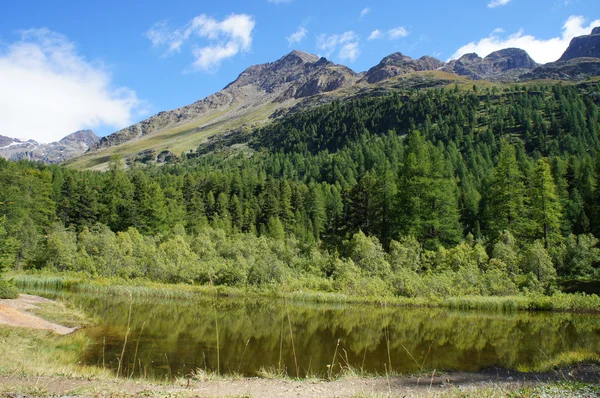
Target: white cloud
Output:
[(349, 52), (498, 3), (397, 32), (49, 90), (542, 51), (365, 11), (376, 34), (279, 1), (345, 44), (297, 36), (226, 38), (392, 34)]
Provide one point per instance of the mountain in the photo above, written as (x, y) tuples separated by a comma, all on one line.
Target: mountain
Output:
[(298, 81), (584, 46), (504, 64), (400, 64), (70, 146), (277, 84), (580, 61)]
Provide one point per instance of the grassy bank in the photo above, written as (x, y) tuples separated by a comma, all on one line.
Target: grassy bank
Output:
[(33, 352), (572, 302)]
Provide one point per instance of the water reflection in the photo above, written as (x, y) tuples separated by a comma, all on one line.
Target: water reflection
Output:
[(172, 337)]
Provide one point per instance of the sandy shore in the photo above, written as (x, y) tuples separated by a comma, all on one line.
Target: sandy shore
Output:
[(16, 313)]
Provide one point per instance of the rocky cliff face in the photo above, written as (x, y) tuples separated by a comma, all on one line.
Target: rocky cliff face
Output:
[(583, 46), (293, 76), (580, 61), (70, 146), (500, 65), (399, 64)]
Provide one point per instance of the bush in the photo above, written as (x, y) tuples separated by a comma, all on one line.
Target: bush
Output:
[(8, 290)]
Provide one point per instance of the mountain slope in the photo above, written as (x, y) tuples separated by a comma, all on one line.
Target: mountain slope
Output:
[(70, 146), (299, 81), (584, 46), (246, 103)]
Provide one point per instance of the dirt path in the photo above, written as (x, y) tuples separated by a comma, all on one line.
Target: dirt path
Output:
[(14, 313), (453, 384)]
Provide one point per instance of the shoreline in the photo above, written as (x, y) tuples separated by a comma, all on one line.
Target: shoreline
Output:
[(558, 302), (67, 377), (578, 380)]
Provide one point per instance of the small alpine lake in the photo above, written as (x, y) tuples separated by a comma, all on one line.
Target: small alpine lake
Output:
[(169, 338)]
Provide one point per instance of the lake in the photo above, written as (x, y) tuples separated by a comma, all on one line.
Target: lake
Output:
[(171, 338)]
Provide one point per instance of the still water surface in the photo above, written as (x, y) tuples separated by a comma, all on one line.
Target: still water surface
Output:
[(170, 338)]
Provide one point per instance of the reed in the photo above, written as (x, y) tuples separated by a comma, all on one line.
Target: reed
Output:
[(126, 336), (572, 302), (330, 370)]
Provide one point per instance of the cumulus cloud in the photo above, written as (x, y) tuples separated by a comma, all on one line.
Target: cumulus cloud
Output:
[(376, 34), (397, 32), (297, 36), (542, 51), (225, 38), (392, 34), (345, 44), (498, 3), (49, 90), (365, 11)]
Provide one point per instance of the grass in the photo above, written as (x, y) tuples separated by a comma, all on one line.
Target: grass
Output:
[(63, 313), (43, 353), (559, 389), (178, 138), (571, 302), (563, 361)]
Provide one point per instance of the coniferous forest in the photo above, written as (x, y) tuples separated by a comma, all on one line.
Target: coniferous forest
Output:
[(438, 192)]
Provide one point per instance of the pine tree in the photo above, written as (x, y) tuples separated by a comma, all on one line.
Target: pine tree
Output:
[(427, 204), (546, 209), (506, 194)]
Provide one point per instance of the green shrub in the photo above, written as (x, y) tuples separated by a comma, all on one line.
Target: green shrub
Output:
[(8, 290)]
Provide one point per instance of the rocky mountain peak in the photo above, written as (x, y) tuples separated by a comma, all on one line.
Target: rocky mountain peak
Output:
[(87, 137), (399, 64), (395, 58), (299, 57), (293, 76), (587, 46), (470, 57), (511, 58), (68, 147), (496, 66)]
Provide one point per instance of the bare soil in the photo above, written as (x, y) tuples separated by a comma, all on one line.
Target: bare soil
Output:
[(496, 381), (15, 313)]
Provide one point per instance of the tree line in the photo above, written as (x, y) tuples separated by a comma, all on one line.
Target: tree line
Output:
[(503, 181)]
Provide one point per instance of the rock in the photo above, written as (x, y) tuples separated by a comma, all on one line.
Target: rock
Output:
[(573, 69), (295, 75), (587, 46), (68, 147), (166, 157), (504, 64), (399, 64)]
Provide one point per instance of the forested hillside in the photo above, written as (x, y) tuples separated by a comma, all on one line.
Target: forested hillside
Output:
[(490, 190)]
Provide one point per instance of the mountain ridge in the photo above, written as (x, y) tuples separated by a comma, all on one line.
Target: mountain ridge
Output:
[(66, 148), (299, 79)]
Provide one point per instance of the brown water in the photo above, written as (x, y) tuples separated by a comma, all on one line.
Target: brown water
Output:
[(170, 338)]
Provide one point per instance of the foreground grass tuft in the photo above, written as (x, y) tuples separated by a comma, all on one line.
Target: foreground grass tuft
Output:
[(43, 353)]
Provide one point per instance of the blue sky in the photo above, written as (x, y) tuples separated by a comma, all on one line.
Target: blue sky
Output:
[(71, 64)]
